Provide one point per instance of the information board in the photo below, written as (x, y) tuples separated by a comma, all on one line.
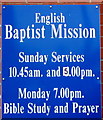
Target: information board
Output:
[(51, 61)]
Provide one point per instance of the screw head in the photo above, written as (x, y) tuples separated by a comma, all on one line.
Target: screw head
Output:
[(50, 6), (4, 7)]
